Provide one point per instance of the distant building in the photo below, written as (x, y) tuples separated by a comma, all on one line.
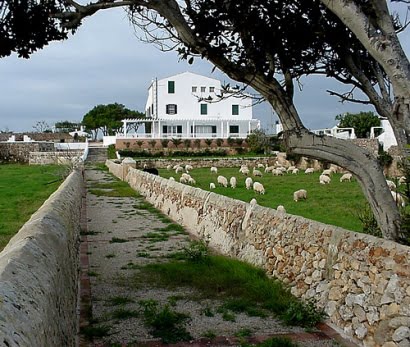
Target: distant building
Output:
[(188, 105)]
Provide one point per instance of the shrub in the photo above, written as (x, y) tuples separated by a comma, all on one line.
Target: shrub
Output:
[(369, 222), (187, 143), (239, 141), (303, 313), (208, 142), (197, 251), (152, 143), (111, 152), (384, 158), (197, 143), (219, 142), (140, 143), (230, 141), (176, 141), (164, 143)]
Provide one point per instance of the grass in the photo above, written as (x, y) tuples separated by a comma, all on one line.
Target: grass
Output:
[(118, 240), (243, 287), (23, 189), (119, 300), (116, 188), (335, 203)]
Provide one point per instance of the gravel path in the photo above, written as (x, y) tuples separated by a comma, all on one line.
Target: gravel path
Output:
[(119, 243)]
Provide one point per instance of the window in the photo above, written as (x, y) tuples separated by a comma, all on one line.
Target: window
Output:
[(211, 89), (203, 89), (234, 129), (204, 129), (171, 87), (204, 109), (171, 109), (194, 88), (235, 110), (172, 129)]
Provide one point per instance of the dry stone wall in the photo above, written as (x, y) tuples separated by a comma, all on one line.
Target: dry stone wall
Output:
[(361, 281), (39, 273), (60, 157), (20, 151)]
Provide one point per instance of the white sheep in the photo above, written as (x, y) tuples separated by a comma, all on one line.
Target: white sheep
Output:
[(222, 181), (169, 167), (291, 168), (175, 166), (188, 168), (281, 209), (295, 171), (179, 169), (323, 179), (346, 177), (299, 195), (214, 169), (269, 169), (172, 178), (309, 170), (248, 183), (327, 172), (244, 171), (186, 176), (277, 172), (212, 185), (258, 187), (257, 173), (191, 181), (261, 166), (398, 198), (232, 182), (253, 202), (183, 179), (391, 185)]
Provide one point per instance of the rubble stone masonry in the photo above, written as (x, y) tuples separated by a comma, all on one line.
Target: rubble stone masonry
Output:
[(362, 282)]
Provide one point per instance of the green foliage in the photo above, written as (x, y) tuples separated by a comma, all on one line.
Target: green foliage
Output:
[(197, 251), (111, 152), (66, 126), (23, 190), (93, 331), (176, 141), (219, 142), (118, 240), (258, 141), (164, 143), (119, 300), (230, 141), (152, 143), (197, 143), (187, 143), (165, 323), (139, 143), (369, 222), (208, 142), (384, 158), (303, 314), (360, 122), (405, 227), (123, 313)]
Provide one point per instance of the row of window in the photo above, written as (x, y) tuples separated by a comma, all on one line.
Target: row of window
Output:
[(199, 129), (171, 88), (173, 109)]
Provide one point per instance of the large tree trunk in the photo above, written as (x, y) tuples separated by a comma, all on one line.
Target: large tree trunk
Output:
[(362, 164)]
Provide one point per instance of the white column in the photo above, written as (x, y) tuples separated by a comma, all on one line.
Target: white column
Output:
[(193, 129), (227, 129), (125, 128), (249, 127), (222, 129), (159, 128), (187, 128)]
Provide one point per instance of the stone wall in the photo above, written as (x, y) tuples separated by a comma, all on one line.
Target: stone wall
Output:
[(372, 145), (60, 157), (20, 151), (361, 281), (39, 273)]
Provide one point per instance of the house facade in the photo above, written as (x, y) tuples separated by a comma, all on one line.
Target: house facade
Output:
[(189, 105)]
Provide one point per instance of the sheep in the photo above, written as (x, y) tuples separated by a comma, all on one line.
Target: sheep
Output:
[(248, 183), (346, 177), (258, 187), (323, 179), (280, 209), (222, 181), (183, 179), (257, 173), (269, 169), (398, 198), (212, 185), (291, 168), (172, 178), (300, 194), (169, 167), (214, 169), (175, 166), (253, 202), (295, 171), (277, 172), (391, 185), (402, 180), (191, 181), (188, 168), (179, 169), (232, 182), (244, 171), (327, 172), (261, 166), (309, 170)]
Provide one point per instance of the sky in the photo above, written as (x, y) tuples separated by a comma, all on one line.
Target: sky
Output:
[(104, 62)]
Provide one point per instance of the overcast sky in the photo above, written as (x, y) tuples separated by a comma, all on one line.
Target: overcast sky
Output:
[(105, 63)]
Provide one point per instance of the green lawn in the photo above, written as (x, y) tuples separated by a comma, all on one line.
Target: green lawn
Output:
[(23, 189), (336, 203)]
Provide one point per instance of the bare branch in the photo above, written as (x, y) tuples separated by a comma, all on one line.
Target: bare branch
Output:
[(348, 96)]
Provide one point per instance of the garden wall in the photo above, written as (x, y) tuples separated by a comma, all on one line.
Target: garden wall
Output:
[(361, 281), (39, 273), (20, 151), (60, 157)]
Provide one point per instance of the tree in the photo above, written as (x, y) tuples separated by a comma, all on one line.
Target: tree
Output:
[(107, 119), (259, 43), (66, 126), (360, 122), (41, 127)]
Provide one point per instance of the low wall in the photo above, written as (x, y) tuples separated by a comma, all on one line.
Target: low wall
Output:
[(20, 151), (59, 157), (39, 273), (361, 281)]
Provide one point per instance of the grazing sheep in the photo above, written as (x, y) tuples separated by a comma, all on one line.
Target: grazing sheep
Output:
[(346, 177), (327, 172), (188, 168), (248, 183), (257, 173), (169, 167), (232, 182), (309, 170), (281, 209), (398, 198), (253, 202), (269, 169), (244, 171), (291, 168), (214, 169), (402, 180), (175, 166), (191, 181), (222, 181), (261, 166), (179, 169), (323, 179), (172, 178), (295, 171), (183, 179), (212, 185), (258, 187), (299, 195), (391, 185)]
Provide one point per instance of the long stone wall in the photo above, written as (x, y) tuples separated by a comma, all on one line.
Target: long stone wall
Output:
[(20, 151), (39, 273), (361, 281), (59, 157)]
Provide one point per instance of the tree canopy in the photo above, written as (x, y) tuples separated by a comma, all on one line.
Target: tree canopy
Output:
[(361, 122)]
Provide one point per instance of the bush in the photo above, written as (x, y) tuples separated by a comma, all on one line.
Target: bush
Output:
[(369, 222), (219, 142), (384, 158), (164, 143), (303, 313), (111, 152), (197, 251)]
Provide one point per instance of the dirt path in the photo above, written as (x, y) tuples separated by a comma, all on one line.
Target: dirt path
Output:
[(121, 235)]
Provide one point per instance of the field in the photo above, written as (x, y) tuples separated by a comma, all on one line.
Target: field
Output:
[(335, 203), (23, 189)]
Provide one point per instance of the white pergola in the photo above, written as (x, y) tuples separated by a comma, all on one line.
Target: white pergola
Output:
[(223, 129)]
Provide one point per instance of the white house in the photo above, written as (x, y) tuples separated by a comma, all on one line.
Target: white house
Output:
[(188, 105)]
